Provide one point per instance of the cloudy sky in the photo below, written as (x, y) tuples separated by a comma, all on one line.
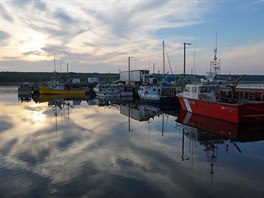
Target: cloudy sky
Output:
[(100, 35)]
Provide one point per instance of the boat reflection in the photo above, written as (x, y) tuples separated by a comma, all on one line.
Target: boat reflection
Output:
[(140, 112), (101, 102), (24, 97), (47, 98), (227, 130), (210, 133), (58, 104), (146, 112)]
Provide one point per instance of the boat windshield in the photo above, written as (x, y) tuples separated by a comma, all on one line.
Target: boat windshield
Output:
[(208, 89)]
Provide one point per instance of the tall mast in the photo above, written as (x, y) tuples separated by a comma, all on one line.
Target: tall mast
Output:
[(54, 63), (67, 71), (216, 64), (60, 65), (215, 51), (163, 58)]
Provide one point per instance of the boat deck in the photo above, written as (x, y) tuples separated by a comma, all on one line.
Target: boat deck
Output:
[(245, 93)]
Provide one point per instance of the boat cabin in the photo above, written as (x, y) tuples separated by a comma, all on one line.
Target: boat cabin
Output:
[(150, 90), (201, 92), (109, 88)]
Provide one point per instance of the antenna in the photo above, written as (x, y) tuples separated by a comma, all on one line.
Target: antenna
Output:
[(215, 64), (215, 50), (216, 41)]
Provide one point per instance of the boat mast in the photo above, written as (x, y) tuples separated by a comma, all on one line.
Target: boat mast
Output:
[(215, 63), (163, 59), (67, 71), (60, 65), (54, 63)]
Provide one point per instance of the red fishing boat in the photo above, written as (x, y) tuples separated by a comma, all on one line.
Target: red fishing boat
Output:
[(210, 98)]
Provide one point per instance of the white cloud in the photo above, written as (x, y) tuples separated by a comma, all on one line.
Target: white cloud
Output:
[(95, 35), (244, 59)]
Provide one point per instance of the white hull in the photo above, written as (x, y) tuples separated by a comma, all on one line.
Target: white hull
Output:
[(112, 91), (152, 94)]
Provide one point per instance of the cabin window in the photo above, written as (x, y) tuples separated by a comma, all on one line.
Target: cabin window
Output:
[(203, 89), (194, 89), (187, 89), (154, 89), (158, 90)]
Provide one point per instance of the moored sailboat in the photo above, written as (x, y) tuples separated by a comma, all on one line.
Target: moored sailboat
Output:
[(158, 93)]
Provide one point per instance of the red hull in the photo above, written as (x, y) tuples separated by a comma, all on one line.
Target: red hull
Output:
[(236, 113), (237, 132)]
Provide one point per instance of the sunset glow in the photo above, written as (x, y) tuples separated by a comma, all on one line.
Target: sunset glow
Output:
[(98, 36)]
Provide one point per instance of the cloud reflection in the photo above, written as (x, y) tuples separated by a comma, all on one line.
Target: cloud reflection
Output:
[(89, 152), (5, 124)]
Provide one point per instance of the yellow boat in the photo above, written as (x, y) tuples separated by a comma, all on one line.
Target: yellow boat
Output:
[(50, 91)]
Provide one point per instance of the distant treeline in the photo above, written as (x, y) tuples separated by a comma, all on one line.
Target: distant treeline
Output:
[(42, 77)]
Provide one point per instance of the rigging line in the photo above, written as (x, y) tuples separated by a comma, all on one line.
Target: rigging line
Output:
[(194, 55), (168, 59)]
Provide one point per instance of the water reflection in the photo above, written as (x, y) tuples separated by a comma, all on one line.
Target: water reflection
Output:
[(91, 152), (220, 128), (213, 133), (24, 97)]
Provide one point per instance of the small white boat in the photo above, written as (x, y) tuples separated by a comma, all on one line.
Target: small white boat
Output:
[(158, 94), (111, 91)]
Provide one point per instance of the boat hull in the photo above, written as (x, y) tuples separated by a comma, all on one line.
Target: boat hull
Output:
[(49, 91), (160, 100), (162, 95), (236, 113), (154, 100)]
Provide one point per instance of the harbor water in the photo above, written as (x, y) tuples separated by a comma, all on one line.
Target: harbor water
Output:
[(59, 147)]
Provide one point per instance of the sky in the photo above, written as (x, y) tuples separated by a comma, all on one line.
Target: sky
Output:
[(100, 35)]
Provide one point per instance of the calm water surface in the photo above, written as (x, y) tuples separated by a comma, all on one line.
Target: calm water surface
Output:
[(87, 149)]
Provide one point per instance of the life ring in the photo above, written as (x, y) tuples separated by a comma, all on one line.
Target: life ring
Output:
[(201, 96)]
